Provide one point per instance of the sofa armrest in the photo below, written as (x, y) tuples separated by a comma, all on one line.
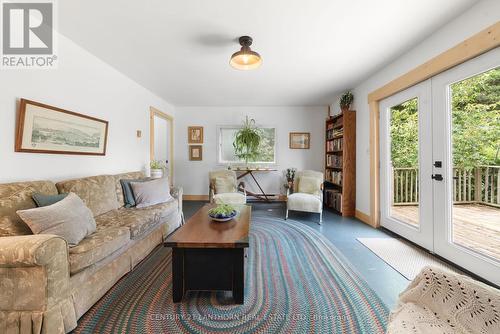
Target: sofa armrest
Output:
[(34, 281), (29, 250), (241, 188), (211, 192), (177, 193)]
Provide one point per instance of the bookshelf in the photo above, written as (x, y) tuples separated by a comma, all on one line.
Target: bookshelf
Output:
[(340, 163)]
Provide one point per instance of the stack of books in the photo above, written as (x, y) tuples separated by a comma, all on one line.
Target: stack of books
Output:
[(333, 199)]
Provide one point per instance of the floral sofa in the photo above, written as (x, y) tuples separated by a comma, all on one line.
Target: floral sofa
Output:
[(45, 286)]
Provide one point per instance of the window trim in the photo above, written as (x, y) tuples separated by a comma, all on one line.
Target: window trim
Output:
[(219, 146)]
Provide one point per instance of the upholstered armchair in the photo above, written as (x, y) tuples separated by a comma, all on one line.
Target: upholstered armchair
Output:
[(224, 188), (308, 193)]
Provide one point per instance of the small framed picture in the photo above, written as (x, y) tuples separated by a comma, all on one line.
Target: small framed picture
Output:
[(300, 140), (195, 135), (195, 153)]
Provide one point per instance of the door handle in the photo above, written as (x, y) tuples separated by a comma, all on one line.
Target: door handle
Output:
[(437, 177)]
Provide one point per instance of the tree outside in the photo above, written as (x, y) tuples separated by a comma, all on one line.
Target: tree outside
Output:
[(475, 129)]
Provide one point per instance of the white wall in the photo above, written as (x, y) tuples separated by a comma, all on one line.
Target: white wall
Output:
[(477, 18), (82, 83), (193, 175)]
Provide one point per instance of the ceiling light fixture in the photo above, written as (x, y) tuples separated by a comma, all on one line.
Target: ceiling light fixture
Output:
[(245, 59)]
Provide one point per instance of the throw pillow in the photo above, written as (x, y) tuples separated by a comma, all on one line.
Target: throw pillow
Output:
[(151, 192), (224, 184), (68, 218), (128, 195), (46, 200), (309, 185)]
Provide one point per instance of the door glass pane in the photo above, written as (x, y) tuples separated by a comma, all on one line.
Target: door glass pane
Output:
[(404, 162), (475, 115)]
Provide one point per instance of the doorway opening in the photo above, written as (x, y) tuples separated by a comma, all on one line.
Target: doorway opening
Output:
[(162, 140)]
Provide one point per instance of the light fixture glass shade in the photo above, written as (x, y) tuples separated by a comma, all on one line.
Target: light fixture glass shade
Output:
[(245, 59)]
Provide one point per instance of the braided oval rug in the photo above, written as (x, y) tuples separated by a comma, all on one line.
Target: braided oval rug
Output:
[(296, 282)]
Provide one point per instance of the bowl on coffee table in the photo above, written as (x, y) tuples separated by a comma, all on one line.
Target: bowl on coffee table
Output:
[(223, 218), (222, 213)]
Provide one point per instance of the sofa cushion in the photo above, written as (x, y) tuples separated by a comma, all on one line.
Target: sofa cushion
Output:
[(118, 186), (128, 194), (97, 246), (98, 192), (152, 192), (310, 185), (139, 221), (224, 184), (230, 198), (68, 218), (411, 318), (304, 202), (18, 196), (46, 200)]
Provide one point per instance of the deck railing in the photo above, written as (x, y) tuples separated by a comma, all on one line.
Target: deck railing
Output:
[(480, 184)]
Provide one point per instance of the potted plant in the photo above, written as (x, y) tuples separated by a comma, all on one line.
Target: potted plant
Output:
[(290, 177), (156, 168), (247, 140), (222, 212), (345, 101)]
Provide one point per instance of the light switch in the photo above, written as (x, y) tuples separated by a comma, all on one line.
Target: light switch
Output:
[(139, 133)]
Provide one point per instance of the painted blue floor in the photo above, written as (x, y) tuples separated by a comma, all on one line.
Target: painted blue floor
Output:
[(342, 232)]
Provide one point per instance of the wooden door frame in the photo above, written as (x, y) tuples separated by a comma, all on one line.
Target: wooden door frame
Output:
[(152, 113), (482, 42)]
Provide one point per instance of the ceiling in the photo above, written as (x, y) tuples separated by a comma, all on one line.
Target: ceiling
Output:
[(311, 50)]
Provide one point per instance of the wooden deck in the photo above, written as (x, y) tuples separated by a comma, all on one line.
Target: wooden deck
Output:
[(475, 226)]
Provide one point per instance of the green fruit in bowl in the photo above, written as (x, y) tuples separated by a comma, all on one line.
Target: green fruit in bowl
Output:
[(222, 211)]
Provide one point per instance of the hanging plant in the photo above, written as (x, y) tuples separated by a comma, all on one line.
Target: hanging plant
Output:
[(346, 100), (247, 141)]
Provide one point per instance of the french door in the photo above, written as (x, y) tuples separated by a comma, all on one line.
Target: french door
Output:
[(440, 165), (405, 160), (466, 138)]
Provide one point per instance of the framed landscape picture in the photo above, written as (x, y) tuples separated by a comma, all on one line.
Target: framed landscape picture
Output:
[(300, 140), (195, 135), (45, 129), (195, 153)]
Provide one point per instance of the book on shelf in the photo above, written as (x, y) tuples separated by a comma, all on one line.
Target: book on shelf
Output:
[(334, 177), (334, 161), (333, 133), (334, 145), (333, 199)]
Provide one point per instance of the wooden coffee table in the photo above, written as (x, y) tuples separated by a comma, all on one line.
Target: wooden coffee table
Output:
[(207, 255)]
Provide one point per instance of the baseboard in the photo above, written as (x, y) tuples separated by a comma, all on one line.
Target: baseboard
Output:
[(281, 198), (363, 217), (195, 197)]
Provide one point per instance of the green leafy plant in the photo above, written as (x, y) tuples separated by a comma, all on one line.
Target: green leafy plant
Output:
[(156, 164), (345, 100), (247, 141), (222, 210), (290, 174)]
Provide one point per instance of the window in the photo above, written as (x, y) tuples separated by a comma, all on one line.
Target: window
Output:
[(226, 154)]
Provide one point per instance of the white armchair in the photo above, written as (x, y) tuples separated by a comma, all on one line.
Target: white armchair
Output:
[(308, 193), (223, 188)]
